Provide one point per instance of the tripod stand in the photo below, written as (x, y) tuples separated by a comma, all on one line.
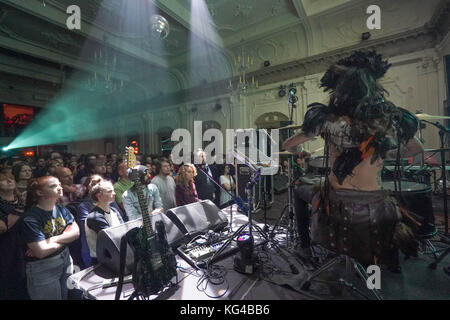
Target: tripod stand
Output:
[(446, 251), (264, 202), (288, 209), (248, 211)]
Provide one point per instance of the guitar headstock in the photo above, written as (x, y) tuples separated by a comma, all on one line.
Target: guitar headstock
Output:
[(131, 157), (131, 164)]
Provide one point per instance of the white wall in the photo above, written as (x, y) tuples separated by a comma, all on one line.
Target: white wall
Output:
[(415, 81)]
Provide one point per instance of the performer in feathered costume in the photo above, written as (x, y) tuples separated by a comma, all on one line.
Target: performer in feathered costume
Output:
[(351, 214)]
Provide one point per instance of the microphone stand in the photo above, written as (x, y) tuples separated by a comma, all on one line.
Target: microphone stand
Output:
[(442, 131), (248, 212)]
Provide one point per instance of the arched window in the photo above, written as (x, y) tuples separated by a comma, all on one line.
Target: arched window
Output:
[(271, 120)]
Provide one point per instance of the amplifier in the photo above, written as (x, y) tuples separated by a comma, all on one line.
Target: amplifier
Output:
[(243, 177)]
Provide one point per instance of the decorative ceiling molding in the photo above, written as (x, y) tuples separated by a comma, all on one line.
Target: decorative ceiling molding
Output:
[(440, 21), (57, 16), (394, 45)]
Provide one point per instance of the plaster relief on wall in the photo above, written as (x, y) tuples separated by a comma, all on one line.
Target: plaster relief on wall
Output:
[(397, 94), (267, 51), (429, 64), (395, 14), (270, 95), (162, 84)]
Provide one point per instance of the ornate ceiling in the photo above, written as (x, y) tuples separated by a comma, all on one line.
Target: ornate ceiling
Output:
[(281, 31)]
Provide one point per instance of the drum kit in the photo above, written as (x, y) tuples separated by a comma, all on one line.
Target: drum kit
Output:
[(411, 184), (416, 184)]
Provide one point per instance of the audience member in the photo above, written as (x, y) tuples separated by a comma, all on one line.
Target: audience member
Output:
[(12, 263), (185, 191), (41, 168), (22, 173), (109, 172), (89, 164), (165, 183), (151, 195), (71, 192), (47, 230), (123, 184), (83, 210), (226, 181), (103, 215), (205, 187)]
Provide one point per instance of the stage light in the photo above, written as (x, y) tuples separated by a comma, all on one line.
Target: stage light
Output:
[(159, 27), (365, 36), (292, 89), (282, 91), (245, 261)]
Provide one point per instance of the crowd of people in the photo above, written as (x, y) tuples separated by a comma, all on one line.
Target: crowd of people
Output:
[(53, 207)]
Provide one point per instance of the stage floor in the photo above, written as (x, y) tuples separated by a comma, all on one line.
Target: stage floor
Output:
[(274, 279), (416, 281)]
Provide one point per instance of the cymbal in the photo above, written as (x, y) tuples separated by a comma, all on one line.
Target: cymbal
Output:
[(425, 116), (292, 127), (285, 153), (436, 150)]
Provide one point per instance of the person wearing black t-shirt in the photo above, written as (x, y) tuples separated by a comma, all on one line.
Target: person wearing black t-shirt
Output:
[(47, 230), (12, 263)]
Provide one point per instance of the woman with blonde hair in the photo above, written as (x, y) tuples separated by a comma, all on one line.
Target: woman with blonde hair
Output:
[(185, 191), (103, 215)]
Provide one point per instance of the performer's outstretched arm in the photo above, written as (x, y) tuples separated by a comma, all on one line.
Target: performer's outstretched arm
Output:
[(295, 140), (413, 147)]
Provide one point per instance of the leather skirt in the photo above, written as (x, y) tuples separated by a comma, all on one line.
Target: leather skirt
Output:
[(360, 224)]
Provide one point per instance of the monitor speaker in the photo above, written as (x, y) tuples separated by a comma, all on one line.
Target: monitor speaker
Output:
[(198, 218), (108, 242)]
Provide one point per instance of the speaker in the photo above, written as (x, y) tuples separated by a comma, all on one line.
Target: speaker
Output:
[(198, 218), (108, 242), (243, 177)]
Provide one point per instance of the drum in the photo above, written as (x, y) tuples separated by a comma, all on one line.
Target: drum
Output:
[(310, 180), (317, 166), (410, 173), (416, 198)]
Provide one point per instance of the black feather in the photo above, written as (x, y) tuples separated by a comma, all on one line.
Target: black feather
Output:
[(345, 163), (315, 117)]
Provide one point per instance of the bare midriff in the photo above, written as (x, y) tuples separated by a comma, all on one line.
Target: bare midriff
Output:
[(365, 176)]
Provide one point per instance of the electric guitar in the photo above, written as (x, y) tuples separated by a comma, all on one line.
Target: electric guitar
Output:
[(154, 261)]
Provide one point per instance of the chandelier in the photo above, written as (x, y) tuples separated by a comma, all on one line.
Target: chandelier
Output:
[(103, 82), (243, 63)]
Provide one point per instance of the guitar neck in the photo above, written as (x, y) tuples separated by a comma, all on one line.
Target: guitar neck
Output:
[(144, 210)]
